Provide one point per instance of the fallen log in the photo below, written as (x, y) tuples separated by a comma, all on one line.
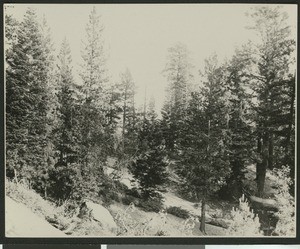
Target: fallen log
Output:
[(260, 203), (218, 223)]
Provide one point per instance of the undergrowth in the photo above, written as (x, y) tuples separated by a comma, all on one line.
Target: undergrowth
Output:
[(179, 212), (244, 222)]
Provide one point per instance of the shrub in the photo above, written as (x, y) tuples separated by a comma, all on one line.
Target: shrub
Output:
[(161, 233), (127, 199), (125, 221), (62, 181), (68, 209), (111, 191), (114, 196), (121, 187), (286, 225), (108, 196), (134, 192), (179, 212), (151, 205), (244, 222)]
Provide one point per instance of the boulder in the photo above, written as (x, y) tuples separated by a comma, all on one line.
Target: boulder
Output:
[(97, 212)]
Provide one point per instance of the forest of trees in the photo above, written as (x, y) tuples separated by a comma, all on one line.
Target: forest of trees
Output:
[(60, 132)]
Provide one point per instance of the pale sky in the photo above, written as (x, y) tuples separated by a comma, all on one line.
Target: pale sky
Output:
[(137, 36)]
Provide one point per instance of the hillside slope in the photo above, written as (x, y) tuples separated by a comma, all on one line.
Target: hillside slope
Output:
[(20, 221)]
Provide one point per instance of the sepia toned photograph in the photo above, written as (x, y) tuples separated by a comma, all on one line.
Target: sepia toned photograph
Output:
[(150, 120)]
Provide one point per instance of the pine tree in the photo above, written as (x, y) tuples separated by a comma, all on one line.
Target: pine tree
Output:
[(66, 110), (113, 117), (287, 129), (12, 158), (65, 135), (27, 103), (149, 166), (203, 153), (47, 50), (11, 28), (179, 76), (239, 122), (273, 61), (151, 113), (129, 117), (113, 114), (94, 100), (286, 203)]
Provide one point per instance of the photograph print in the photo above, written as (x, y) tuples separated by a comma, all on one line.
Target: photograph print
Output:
[(150, 120)]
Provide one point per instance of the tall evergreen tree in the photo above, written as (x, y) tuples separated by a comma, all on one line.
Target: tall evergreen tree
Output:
[(239, 121), (204, 155), (151, 113), (149, 166), (27, 102), (65, 133), (129, 117), (179, 76), (113, 117), (13, 160), (274, 57), (94, 99), (11, 29)]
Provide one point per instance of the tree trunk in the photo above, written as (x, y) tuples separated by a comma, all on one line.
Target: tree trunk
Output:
[(202, 222), (16, 176), (271, 152), (262, 166), (208, 135)]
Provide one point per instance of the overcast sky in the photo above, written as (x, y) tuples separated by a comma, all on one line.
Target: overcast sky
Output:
[(138, 36)]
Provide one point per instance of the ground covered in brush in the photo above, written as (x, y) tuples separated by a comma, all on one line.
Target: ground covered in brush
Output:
[(28, 214)]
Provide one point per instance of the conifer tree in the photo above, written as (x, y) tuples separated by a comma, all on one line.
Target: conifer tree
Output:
[(94, 99), (27, 103), (239, 121), (65, 135), (274, 57), (204, 163), (12, 158), (149, 166), (179, 77), (113, 117), (66, 110), (129, 115), (151, 114), (11, 28)]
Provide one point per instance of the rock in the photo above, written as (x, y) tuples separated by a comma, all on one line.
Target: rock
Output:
[(97, 212), (22, 222)]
